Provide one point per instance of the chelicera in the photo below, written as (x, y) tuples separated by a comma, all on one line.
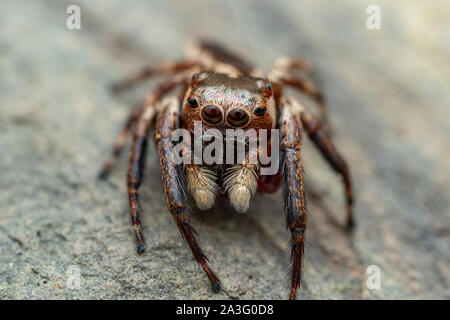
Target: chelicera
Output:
[(222, 90)]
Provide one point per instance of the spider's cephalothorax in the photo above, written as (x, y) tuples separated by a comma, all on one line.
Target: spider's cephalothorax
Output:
[(222, 91), (223, 102)]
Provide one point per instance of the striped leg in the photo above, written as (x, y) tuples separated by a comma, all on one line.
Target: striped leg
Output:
[(138, 150), (121, 139), (293, 191), (148, 72), (309, 88), (136, 112), (320, 138), (174, 185)]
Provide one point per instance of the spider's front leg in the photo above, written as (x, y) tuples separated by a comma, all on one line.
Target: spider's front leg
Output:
[(320, 138), (294, 118), (173, 181), (138, 151), (293, 190)]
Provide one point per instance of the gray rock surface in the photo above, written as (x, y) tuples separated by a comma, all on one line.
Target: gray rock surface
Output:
[(390, 108)]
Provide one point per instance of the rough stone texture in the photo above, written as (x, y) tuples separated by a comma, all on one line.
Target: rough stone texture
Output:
[(390, 109)]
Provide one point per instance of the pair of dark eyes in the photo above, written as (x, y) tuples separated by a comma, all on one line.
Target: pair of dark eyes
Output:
[(259, 111)]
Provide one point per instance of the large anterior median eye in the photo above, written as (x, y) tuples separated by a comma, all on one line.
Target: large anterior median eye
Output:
[(212, 114), (237, 118)]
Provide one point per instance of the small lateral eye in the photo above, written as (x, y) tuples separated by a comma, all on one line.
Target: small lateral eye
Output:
[(260, 111), (193, 102)]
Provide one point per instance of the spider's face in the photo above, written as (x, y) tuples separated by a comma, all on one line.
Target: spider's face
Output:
[(222, 102)]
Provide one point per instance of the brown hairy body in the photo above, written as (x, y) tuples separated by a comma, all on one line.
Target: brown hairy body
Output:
[(223, 91)]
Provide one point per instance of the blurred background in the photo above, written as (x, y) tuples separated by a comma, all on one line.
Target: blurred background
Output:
[(388, 93)]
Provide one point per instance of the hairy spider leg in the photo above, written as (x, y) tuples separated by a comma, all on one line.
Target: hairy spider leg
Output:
[(318, 135), (162, 89), (282, 74), (295, 118), (120, 141), (173, 181), (149, 71), (293, 191), (138, 151)]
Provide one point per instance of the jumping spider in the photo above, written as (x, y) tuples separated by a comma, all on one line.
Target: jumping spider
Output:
[(223, 91)]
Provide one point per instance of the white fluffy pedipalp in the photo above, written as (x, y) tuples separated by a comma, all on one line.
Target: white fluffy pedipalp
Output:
[(201, 184), (240, 184)]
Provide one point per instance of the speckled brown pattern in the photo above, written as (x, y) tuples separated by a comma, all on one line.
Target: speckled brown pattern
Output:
[(219, 92)]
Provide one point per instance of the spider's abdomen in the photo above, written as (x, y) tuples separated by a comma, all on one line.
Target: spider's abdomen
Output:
[(270, 184)]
